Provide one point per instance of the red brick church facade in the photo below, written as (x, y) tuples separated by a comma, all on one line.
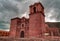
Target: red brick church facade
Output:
[(34, 27)]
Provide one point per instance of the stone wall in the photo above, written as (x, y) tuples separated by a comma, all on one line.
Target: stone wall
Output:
[(28, 39)]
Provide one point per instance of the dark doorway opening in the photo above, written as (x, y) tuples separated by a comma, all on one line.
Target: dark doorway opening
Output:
[(34, 9), (22, 34)]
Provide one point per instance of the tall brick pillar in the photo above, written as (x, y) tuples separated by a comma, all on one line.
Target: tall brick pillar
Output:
[(13, 27), (36, 21)]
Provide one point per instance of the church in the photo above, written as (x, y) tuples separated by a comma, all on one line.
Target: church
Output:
[(34, 26)]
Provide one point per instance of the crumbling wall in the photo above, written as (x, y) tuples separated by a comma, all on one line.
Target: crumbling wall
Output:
[(28, 39)]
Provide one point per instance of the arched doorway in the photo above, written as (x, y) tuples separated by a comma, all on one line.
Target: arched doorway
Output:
[(22, 34)]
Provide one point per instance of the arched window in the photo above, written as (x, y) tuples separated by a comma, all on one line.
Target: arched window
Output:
[(34, 9), (22, 34), (22, 25)]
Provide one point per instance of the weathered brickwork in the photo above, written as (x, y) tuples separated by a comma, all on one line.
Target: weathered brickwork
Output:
[(33, 28), (36, 20), (4, 33), (29, 39)]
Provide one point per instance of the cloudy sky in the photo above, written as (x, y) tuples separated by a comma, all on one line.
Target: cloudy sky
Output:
[(12, 8)]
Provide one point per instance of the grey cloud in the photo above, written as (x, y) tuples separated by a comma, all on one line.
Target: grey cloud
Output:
[(12, 8), (50, 5), (56, 14), (7, 11), (9, 6)]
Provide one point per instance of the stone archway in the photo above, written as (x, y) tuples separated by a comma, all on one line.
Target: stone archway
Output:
[(22, 34)]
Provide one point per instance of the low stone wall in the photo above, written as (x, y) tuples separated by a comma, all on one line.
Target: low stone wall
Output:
[(28, 39)]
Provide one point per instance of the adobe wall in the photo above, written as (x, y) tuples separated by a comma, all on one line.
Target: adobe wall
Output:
[(30, 39), (36, 21)]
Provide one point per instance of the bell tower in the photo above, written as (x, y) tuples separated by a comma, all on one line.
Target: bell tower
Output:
[(36, 21)]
